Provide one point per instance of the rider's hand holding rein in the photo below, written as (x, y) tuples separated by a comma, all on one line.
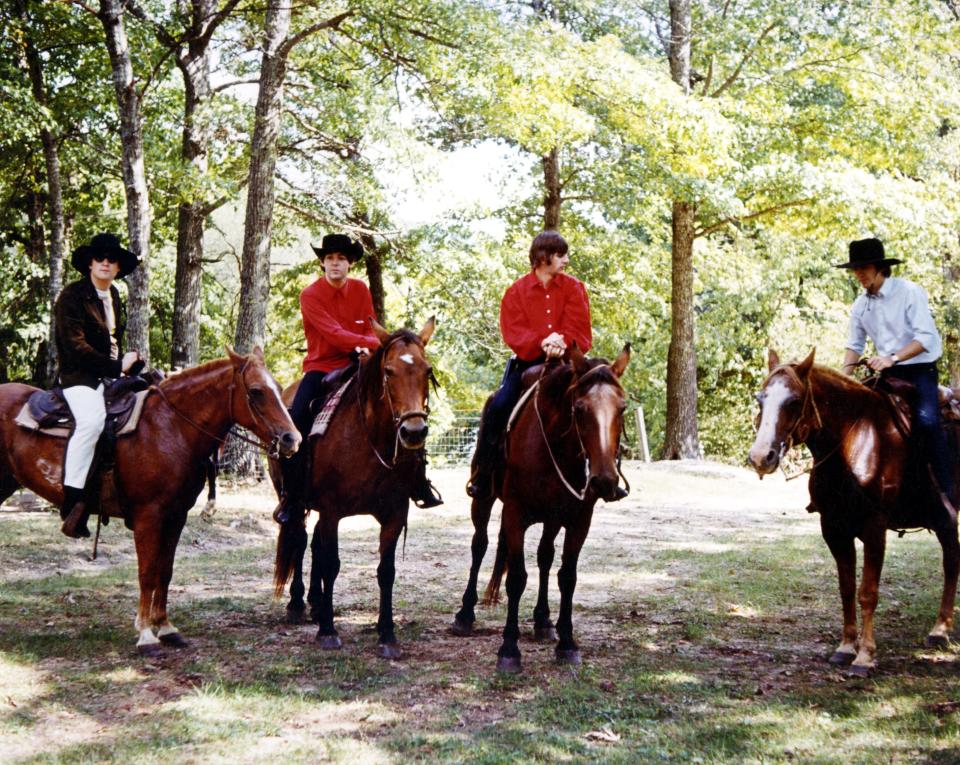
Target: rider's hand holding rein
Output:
[(129, 359)]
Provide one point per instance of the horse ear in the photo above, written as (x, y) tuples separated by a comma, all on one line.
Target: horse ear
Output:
[(379, 330), (773, 360), (257, 352), (578, 359), (235, 357), (427, 332), (803, 368), (620, 364)]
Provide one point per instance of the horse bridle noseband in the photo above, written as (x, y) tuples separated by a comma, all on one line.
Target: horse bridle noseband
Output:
[(397, 420), (583, 450)]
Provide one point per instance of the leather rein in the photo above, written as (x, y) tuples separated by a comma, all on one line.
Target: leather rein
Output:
[(586, 462), (273, 450), (397, 420)]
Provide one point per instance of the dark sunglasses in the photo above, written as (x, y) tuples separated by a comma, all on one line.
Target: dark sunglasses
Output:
[(110, 258)]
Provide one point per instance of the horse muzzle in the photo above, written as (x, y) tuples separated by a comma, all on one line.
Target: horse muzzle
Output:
[(288, 442), (605, 487), (412, 432), (764, 459)]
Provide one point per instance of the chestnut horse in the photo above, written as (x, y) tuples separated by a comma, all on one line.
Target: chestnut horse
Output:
[(562, 452), (161, 467), (865, 480), (365, 464)]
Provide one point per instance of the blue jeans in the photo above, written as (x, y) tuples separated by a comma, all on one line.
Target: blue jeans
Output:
[(505, 398), (926, 418)]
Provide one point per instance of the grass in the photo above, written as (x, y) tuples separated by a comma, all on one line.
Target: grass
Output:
[(705, 607)]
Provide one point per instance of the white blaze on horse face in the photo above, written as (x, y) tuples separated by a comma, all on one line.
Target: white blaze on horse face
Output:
[(407, 358), (606, 407), (774, 397)]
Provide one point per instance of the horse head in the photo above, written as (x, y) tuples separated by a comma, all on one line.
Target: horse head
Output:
[(255, 403), (405, 375), (784, 400), (598, 406)]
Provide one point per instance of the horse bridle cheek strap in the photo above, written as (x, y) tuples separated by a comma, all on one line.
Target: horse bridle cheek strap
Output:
[(805, 424), (273, 449)]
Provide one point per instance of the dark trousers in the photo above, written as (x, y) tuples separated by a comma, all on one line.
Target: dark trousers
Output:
[(315, 385), (930, 435), (498, 412)]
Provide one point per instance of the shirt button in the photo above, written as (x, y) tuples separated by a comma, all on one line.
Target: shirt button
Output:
[(549, 326), (548, 310)]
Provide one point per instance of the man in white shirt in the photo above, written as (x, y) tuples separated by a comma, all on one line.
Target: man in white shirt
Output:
[(895, 314)]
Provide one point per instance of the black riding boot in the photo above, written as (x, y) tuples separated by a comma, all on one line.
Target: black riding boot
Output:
[(424, 493), (291, 493), (74, 513), (480, 485)]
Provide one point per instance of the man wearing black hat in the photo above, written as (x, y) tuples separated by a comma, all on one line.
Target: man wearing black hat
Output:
[(89, 322), (895, 314), (336, 311)]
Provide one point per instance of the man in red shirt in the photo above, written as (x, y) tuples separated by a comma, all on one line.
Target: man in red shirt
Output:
[(541, 315), (336, 311)]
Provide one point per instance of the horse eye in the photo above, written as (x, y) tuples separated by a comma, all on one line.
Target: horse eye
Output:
[(256, 393), (388, 371)]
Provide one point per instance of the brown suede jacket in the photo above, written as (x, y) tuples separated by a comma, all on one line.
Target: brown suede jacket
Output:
[(83, 340)]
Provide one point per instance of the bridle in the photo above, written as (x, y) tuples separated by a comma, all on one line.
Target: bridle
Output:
[(272, 450), (396, 419), (583, 450)]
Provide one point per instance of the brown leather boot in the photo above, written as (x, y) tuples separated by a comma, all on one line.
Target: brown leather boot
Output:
[(74, 512)]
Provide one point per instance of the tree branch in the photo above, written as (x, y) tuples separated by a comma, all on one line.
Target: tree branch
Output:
[(331, 23), (706, 230), (746, 57)]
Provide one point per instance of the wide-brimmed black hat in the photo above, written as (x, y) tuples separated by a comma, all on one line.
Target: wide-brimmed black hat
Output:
[(349, 248), (867, 252), (100, 245)]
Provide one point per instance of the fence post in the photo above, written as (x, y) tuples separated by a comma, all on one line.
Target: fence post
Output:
[(642, 430)]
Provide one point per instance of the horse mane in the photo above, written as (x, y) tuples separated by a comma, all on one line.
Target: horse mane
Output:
[(559, 380), (831, 375), (192, 374), (371, 385)]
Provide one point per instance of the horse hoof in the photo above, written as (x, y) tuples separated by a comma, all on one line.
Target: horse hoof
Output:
[(569, 657), (174, 640), (545, 633), (296, 616), (841, 659), (148, 650), (941, 642), (389, 651), (859, 670), (461, 629), (509, 665), (330, 642)]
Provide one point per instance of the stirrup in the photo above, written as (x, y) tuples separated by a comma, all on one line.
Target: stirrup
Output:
[(426, 495), (75, 525)]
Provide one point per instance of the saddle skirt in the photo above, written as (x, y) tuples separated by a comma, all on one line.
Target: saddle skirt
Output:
[(47, 412), (322, 421)]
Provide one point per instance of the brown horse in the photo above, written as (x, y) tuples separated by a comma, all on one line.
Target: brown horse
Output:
[(365, 464), (561, 458), (161, 467), (865, 480)]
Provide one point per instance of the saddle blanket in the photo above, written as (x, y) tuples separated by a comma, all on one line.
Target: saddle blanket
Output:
[(322, 421), (63, 428)]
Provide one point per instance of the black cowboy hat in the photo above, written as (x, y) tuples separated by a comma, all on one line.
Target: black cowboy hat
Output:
[(104, 244), (351, 249), (867, 252)]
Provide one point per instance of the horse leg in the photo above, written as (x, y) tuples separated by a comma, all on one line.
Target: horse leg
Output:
[(480, 515), (939, 636), (166, 632), (844, 553), (874, 546), (567, 650), (147, 538), (326, 566), (316, 581), (543, 628), (387, 646), (296, 607), (513, 530)]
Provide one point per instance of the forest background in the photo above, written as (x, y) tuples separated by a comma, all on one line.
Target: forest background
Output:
[(707, 161)]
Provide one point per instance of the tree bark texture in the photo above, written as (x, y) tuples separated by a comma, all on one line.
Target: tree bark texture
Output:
[(552, 197), (51, 158), (134, 175), (258, 222), (194, 65), (681, 435), (374, 267)]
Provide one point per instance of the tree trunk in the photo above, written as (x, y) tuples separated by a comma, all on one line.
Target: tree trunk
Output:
[(551, 197), (134, 175), (255, 261), (51, 158), (195, 68), (374, 267), (681, 437)]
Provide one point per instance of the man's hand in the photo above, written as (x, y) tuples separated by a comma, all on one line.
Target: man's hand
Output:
[(362, 351), (553, 345), (879, 363), (129, 359)]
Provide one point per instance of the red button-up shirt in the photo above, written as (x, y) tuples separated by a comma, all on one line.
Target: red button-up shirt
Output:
[(529, 312), (335, 323)]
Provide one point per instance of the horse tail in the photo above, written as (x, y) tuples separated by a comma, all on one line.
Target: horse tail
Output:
[(287, 548), (492, 594)]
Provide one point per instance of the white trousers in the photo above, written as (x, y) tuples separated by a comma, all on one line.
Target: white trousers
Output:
[(88, 410)]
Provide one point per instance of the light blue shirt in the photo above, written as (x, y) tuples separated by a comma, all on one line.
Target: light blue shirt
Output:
[(898, 313)]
